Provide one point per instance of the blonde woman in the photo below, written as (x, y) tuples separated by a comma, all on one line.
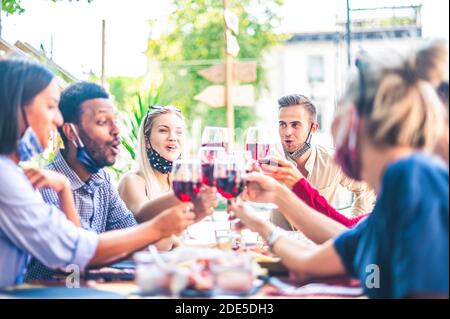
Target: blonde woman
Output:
[(160, 142), (390, 117)]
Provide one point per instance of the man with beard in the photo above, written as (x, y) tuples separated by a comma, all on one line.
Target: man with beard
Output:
[(91, 142), (297, 125)]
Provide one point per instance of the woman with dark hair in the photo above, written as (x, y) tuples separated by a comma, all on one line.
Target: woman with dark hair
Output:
[(29, 97)]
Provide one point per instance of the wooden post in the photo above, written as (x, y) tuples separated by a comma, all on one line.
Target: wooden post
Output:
[(228, 83), (103, 53)]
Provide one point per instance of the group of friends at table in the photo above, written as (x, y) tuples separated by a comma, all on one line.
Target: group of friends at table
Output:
[(390, 134)]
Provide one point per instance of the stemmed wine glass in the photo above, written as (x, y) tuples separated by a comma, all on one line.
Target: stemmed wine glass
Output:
[(187, 180), (265, 146), (207, 155), (228, 172), (263, 143), (215, 136), (245, 156), (228, 176), (257, 141)]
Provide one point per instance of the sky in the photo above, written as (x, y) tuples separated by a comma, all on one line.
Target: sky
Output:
[(75, 27)]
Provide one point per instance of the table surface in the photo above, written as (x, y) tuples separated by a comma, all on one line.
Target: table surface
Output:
[(203, 235)]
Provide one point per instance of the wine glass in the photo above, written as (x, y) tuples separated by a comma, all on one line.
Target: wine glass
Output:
[(228, 179), (187, 180), (228, 172), (215, 137), (245, 156), (207, 155), (264, 144)]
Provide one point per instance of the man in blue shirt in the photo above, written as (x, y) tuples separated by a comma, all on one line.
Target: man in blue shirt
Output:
[(91, 142)]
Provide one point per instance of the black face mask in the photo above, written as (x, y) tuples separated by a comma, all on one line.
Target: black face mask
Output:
[(158, 162), (304, 148)]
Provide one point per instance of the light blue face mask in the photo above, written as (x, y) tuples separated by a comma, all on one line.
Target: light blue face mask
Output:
[(29, 145), (83, 156)]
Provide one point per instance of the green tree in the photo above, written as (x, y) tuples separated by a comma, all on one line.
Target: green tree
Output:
[(196, 41), (124, 89), (14, 6)]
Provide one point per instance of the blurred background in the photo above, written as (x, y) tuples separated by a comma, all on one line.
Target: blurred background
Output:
[(151, 52)]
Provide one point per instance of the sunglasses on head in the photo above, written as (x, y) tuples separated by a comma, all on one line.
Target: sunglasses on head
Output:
[(160, 107)]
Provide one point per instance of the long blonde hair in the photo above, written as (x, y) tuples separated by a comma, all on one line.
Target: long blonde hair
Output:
[(400, 105), (143, 167)]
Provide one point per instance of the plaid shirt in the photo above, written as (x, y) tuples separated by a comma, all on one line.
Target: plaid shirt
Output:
[(97, 202)]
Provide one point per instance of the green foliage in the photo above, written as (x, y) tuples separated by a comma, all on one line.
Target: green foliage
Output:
[(196, 41), (124, 90), (14, 6), (131, 120)]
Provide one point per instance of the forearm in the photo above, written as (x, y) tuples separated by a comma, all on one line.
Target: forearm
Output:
[(317, 227), (313, 199), (304, 260), (364, 202), (307, 262), (114, 245), (67, 205), (153, 207)]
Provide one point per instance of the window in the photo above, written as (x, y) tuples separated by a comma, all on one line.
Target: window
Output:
[(315, 68)]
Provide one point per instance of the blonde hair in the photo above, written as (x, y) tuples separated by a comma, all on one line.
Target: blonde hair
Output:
[(400, 105), (143, 167)]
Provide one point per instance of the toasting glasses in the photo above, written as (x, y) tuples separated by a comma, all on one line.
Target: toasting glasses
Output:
[(262, 143), (187, 180), (216, 137), (208, 155)]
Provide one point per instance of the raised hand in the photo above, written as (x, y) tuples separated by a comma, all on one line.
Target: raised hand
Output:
[(174, 220), (286, 172), (205, 202), (41, 178)]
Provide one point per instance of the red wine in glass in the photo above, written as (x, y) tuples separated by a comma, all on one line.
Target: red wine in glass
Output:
[(218, 144), (186, 191), (215, 137), (230, 186), (208, 174), (258, 150), (207, 156)]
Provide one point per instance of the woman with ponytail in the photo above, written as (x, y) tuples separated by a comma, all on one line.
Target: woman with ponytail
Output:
[(389, 122)]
